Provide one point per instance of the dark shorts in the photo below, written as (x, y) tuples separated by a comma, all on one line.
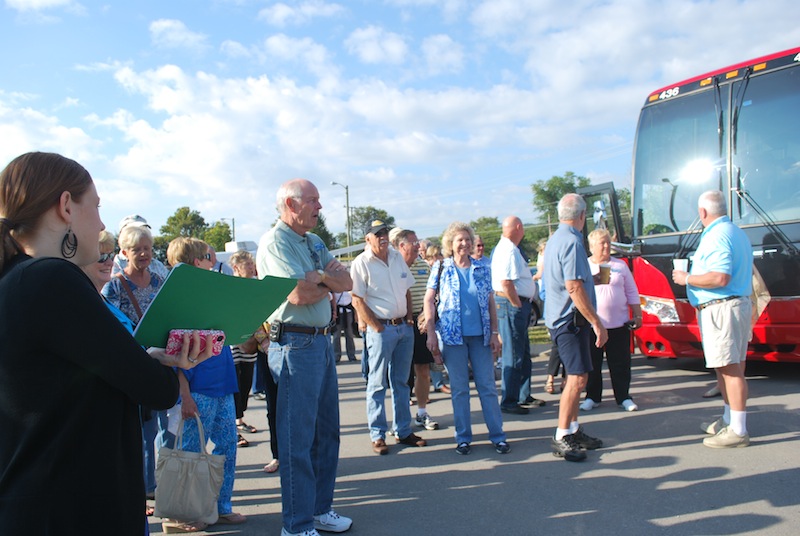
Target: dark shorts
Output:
[(573, 347), (422, 356)]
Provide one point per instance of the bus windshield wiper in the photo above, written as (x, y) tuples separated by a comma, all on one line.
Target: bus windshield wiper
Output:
[(688, 241), (737, 107), (769, 223), (718, 110)]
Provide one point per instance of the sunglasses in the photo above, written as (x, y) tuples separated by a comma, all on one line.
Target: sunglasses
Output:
[(207, 256), (105, 257)]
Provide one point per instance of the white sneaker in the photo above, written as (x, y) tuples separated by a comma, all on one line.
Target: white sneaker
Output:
[(332, 522), (426, 422), (629, 405), (589, 404), (727, 439), (312, 532), (713, 428)]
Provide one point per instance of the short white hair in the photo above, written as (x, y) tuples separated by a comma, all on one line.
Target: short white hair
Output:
[(570, 207), (292, 189), (713, 201), (131, 235)]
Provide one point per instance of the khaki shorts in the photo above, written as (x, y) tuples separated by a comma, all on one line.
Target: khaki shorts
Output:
[(726, 330)]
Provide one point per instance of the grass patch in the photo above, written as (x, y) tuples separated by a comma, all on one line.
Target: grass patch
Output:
[(539, 335)]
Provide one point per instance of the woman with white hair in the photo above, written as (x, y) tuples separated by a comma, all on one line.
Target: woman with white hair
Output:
[(131, 291), (616, 298)]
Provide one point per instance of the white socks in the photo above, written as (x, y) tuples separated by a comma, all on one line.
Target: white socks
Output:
[(738, 422), (561, 432)]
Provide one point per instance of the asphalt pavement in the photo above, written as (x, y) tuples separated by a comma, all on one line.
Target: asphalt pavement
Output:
[(653, 475)]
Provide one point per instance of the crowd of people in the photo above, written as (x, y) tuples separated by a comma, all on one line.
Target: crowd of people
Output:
[(421, 309)]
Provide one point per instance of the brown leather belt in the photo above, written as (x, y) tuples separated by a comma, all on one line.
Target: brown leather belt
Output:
[(714, 302), (288, 328), (504, 295), (392, 321)]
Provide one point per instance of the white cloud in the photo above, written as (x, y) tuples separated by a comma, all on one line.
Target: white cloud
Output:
[(442, 54), (25, 129), (281, 14), (170, 33), (38, 5), (311, 55), (450, 8), (373, 44), (234, 49)]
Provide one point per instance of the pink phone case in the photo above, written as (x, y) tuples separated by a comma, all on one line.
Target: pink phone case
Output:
[(175, 340)]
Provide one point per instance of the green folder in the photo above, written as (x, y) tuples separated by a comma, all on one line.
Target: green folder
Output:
[(193, 298)]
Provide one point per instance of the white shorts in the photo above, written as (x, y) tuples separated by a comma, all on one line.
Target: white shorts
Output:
[(726, 330)]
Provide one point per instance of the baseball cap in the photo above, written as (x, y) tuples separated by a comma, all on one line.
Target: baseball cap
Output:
[(133, 219), (375, 227)]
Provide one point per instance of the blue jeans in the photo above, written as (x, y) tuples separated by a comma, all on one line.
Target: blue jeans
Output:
[(155, 434), (516, 358), (218, 415), (308, 425), (437, 378), (458, 359), (259, 376), (149, 431), (391, 349)]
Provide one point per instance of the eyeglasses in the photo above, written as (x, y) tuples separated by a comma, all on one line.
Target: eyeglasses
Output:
[(415, 243), (478, 245), (207, 256), (382, 233), (105, 256)]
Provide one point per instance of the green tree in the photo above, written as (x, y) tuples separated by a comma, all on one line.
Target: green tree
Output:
[(185, 222), (160, 244), (217, 235), (624, 199), (362, 216), (490, 230), (321, 230), (341, 240), (546, 195)]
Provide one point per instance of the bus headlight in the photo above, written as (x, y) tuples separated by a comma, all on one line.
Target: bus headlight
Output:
[(659, 307)]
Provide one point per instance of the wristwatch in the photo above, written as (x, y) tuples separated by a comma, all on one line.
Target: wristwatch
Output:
[(322, 275)]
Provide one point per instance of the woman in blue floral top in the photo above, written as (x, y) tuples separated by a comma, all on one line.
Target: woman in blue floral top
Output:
[(467, 325)]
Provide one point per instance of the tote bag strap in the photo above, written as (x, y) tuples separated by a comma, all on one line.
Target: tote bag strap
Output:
[(134, 301), (202, 432)]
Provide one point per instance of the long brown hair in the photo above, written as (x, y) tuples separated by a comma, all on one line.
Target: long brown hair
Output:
[(30, 185)]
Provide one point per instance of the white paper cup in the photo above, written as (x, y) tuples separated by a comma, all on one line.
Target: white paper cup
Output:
[(681, 265)]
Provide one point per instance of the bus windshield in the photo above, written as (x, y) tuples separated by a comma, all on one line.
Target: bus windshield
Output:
[(683, 148), (766, 151), (677, 158)]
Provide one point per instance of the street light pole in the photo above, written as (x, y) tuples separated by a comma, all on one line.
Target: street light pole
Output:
[(347, 206)]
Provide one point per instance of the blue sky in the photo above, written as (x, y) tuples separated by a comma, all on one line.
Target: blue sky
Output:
[(433, 110)]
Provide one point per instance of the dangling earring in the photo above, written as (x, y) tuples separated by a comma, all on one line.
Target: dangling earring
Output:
[(69, 245)]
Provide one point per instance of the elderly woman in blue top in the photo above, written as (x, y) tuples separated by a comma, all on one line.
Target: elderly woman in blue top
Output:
[(467, 325)]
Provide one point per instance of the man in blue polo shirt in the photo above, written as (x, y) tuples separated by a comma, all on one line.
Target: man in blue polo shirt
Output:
[(719, 286), (569, 315)]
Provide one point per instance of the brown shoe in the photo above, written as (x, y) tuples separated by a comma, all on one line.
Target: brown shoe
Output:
[(379, 447), (411, 440)]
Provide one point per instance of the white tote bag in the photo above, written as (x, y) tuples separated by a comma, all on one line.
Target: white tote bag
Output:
[(188, 483)]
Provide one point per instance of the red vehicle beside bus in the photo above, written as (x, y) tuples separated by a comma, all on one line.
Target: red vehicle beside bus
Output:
[(737, 130)]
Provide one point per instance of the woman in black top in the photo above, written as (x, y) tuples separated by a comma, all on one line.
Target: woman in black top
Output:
[(71, 376)]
